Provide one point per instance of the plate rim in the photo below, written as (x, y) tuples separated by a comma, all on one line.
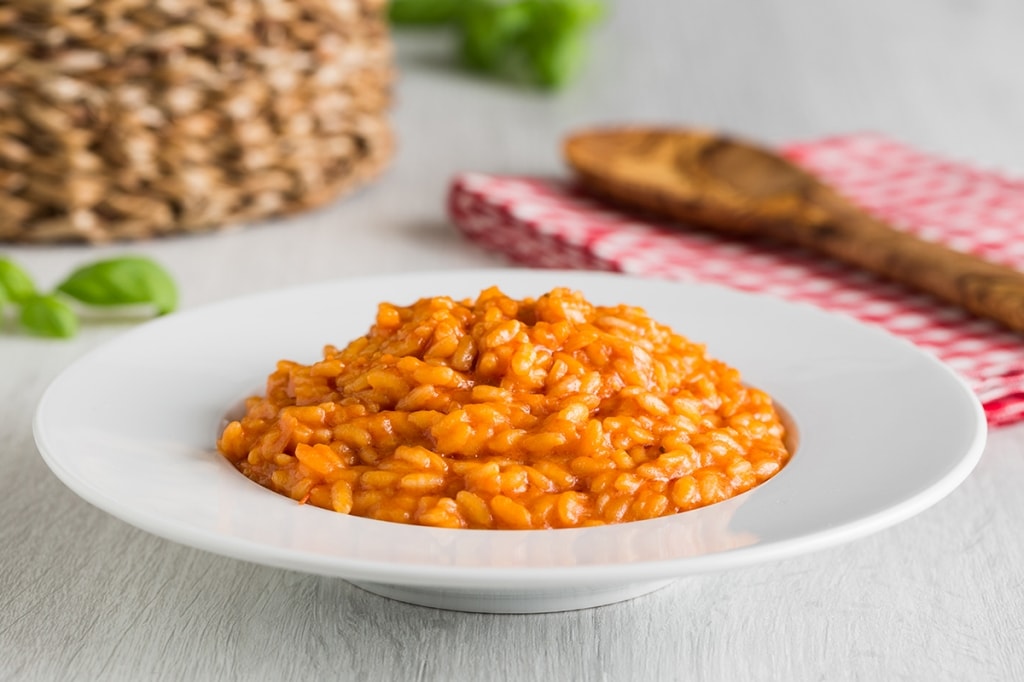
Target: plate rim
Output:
[(519, 576)]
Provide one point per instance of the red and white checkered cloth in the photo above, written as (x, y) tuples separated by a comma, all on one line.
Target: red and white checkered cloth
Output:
[(549, 223)]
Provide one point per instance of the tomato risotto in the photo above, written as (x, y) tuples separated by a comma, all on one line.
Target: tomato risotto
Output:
[(509, 414)]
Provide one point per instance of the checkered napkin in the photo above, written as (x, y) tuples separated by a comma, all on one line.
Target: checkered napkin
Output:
[(549, 223)]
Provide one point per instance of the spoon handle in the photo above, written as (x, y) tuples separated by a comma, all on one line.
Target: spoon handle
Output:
[(716, 182), (850, 235)]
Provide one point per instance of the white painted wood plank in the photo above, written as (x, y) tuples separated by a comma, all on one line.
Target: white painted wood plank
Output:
[(941, 597)]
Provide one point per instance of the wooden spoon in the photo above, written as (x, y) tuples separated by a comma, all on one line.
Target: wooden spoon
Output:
[(713, 181)]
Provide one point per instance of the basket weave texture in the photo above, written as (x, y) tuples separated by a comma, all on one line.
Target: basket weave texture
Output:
[(128, 119)]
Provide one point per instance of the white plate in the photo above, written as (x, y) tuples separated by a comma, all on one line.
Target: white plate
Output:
[(884, 432)]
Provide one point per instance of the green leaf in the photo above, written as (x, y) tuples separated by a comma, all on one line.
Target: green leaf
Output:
[(537, 40), (123, 281), (555, 44), (554, 62), (423, 11), (490, 32), (48, 316), (15, 281)]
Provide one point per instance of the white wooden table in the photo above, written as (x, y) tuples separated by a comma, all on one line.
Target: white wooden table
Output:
[(940, 597)]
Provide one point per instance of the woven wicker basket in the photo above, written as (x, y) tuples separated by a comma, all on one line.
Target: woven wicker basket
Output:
[(127, 119)]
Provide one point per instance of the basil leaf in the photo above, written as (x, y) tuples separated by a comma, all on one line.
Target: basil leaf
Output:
[(123, 281), (48, 316), (15, 281), (541, 41), (490, 32), (556, 60), (538, 41), (555, 43), (422, 11)]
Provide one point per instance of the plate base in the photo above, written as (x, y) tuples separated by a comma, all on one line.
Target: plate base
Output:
[(513, 601)]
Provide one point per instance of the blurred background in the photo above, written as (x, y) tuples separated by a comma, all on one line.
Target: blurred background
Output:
[(942, 75)]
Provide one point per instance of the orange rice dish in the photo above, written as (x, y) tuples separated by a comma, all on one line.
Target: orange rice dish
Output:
[(498, 413)]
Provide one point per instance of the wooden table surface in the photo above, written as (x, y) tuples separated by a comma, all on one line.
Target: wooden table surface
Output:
[(940, 597)]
